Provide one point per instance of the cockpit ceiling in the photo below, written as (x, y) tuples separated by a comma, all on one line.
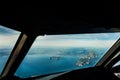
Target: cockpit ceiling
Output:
[(57, 21)]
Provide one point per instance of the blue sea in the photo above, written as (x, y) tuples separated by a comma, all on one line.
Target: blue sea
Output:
[(4, 54), (41, 61)]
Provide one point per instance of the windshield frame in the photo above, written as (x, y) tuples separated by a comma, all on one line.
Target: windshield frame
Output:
[(28, 43), (65, 71), (106, 59), (108, 66)]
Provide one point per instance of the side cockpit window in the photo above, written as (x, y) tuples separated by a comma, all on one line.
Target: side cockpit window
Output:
[(8, 38)]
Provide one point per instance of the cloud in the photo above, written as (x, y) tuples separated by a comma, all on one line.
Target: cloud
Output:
[(8, 37), (75, 43), (7, 31), (8, 41), (77, 40), (97, 36)]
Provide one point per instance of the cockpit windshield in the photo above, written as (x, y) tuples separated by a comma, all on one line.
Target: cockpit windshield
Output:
[(8, 38), (56, 53)]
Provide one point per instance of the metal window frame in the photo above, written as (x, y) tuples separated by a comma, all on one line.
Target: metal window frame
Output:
[(107, 58), (18, 53), (23, 45)]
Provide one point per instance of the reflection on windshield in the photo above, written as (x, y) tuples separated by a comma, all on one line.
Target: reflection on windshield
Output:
[(116, 68), (8, 38), (56, 53), (117, 64)]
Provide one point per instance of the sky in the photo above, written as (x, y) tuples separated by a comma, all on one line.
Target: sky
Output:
[(8, 37), (7, 31), (77, 40)]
